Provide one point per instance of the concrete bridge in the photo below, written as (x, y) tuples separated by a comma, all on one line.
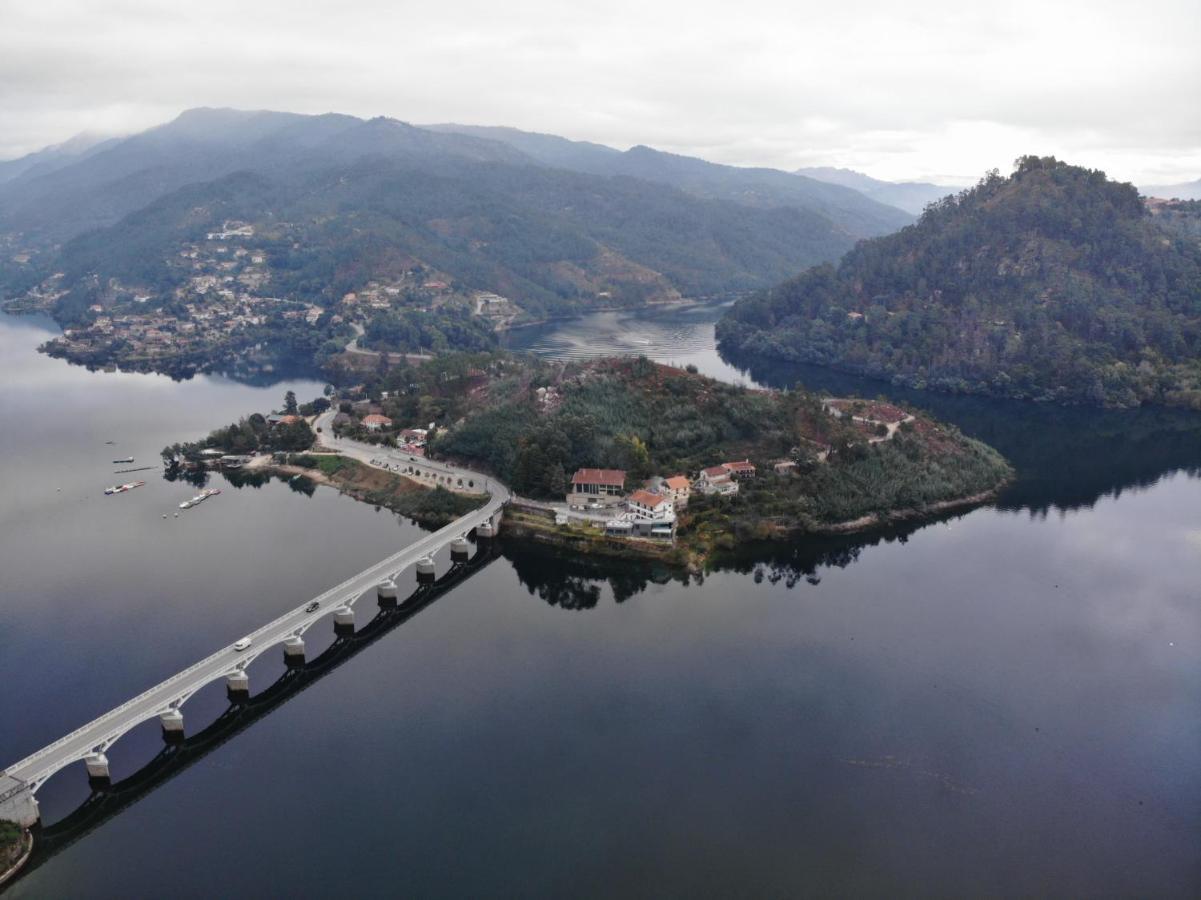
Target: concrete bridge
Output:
[(19, 782)]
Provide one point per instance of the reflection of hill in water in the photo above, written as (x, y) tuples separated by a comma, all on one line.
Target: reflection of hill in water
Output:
[(575, 582), (1066, 457)]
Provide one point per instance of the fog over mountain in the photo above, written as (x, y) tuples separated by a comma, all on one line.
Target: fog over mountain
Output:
[(1189, 190), (911, 196)]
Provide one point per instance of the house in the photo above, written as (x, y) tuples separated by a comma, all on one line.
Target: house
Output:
[(648, 506), (603, 486), (375, 422), (784, 467), (717, 480), (414, 436), (677, 488), (740, 469)]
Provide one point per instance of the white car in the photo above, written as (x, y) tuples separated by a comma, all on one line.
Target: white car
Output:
[(242, 644)]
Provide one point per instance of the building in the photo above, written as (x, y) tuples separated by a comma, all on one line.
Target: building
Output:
[(784, 467), (717, 480), (740, 469), (375, 422), (603, 486), (414, 436), (648, 506), (677, 488)]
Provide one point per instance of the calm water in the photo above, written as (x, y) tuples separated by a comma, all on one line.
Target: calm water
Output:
[(1006, 702)]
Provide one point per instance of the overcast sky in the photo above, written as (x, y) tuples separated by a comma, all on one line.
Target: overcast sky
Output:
[(932, 90)]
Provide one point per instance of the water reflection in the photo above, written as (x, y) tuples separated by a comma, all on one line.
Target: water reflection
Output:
[(1066, 457), (106, 802), (571, 581)]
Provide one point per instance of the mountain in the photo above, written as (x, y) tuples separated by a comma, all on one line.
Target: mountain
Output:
[(856, 215), (203, 144), (911, 196), (50, 158), (1051, 284), (1189, 190), (334, 204)]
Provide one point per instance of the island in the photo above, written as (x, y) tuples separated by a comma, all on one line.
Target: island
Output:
[(620, 456)]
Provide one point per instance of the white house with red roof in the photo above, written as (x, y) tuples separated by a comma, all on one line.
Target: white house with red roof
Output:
[(375, 422), (651, 507), (677, 488)]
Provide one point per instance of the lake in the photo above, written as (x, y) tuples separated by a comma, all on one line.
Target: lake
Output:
[(1002, 702)]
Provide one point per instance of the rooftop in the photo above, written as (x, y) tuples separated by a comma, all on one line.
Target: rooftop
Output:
[(613, 477), (646, 498)]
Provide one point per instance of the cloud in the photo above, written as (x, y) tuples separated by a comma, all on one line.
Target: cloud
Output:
[(939, 91)]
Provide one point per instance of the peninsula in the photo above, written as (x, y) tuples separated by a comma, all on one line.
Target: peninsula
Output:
[(625, 456)]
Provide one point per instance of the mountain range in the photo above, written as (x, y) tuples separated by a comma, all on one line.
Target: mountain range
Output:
[(911, 196), (552, 224), (1188, 190)]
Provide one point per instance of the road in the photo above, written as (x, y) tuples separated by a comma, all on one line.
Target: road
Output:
[(170, 694)]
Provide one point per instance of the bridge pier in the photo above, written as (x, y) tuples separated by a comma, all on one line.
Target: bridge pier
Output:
[(426, 570), (385, 593), (98, 774), (17, 803), (489, 528), (172, 721), (343, 621), (237, 685), (294, 650), (460, 549)]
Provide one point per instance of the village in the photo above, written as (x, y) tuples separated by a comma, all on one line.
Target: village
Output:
[(220, 306)]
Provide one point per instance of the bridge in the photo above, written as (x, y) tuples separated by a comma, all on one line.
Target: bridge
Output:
[(20, 781)]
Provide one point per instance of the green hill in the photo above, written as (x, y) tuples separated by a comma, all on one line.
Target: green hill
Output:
[(1051, 284)]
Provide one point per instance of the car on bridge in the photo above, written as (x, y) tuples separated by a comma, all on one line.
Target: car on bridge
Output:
[(241, 644), (312, 607)]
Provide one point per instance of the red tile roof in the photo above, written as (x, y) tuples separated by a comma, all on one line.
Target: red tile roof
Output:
[(742, 465), (646, 498), (716, 470), (676, 482), (608, 477), (374, 419)]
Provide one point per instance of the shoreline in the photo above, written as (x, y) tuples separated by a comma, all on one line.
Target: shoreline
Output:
[(19, 863), (684, 553)]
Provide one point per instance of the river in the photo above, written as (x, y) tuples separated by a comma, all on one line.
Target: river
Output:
[(1003, 702)]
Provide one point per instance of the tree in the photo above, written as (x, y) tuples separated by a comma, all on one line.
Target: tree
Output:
[(290, 405)]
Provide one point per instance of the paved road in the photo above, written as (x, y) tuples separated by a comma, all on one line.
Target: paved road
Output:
[(170, 694)]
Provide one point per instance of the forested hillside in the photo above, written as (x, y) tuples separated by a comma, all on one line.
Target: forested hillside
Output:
[(1051, 284)]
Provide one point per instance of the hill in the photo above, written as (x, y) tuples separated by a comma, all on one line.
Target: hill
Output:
[(534, 422), (1052, 284), (911, 196)]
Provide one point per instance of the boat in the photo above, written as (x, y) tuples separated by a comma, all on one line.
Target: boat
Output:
[(199, 498), (122, 488), (124, 459)]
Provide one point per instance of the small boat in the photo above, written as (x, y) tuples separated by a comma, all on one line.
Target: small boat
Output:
[(124, 459), (122, 488)]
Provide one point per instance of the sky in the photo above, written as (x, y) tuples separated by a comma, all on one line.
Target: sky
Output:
[(938, 91)]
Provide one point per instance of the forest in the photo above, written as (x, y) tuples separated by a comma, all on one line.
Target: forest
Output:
[(1052, 284)]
